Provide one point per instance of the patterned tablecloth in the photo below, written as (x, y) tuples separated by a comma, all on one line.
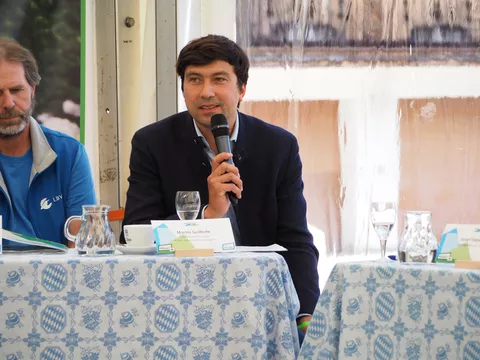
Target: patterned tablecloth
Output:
[(235, 306), (387, 310)]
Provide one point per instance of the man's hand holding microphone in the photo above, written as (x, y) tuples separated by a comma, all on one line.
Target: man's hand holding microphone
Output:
[(224, 183)]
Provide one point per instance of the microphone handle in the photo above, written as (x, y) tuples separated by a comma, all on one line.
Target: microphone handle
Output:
[(223, 145), (233, 198)]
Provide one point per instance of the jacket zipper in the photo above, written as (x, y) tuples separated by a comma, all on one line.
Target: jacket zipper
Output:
[(29, 214), (4, 221)]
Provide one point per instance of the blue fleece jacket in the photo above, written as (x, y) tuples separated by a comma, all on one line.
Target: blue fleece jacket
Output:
[(60, 183)]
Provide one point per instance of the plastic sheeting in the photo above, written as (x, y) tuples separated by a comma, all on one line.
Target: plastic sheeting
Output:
[(384, 100)]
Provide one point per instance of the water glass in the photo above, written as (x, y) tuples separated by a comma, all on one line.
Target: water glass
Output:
[(187, 204), (384, 215)]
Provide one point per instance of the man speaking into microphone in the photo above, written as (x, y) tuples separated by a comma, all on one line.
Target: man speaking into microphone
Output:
[(245, 169)]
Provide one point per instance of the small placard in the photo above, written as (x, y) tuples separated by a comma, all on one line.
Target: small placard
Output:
[(459, 242), (467, 264), (216, 234), (1, 238)]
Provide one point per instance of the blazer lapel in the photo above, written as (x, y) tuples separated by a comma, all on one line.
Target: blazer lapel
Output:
[(240, 152), (189, 143), (190, 148)]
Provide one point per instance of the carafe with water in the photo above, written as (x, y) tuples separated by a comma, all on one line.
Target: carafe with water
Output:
[(95, 237), (418, 242)]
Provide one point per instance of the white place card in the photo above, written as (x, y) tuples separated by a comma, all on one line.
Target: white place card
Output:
[(213, 234), (1, 239), (459, 242)]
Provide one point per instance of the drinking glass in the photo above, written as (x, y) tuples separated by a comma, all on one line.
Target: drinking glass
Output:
[(384, 215), (187, 204)]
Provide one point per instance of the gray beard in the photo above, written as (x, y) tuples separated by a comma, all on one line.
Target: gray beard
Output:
[(14, 130)]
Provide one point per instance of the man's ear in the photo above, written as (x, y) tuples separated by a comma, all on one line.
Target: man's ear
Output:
[(242, 91)]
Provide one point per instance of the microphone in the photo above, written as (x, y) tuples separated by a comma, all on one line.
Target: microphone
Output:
[(220, 131)]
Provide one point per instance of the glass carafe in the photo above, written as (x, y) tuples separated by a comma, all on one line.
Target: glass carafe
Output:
[(95, 236), (418, 243)]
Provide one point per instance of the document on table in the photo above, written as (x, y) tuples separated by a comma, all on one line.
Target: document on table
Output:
[(270, 248)]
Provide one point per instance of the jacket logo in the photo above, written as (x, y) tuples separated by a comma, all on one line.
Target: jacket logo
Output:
[(46, 203)]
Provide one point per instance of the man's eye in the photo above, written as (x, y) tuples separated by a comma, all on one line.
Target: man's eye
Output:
[(221, 79), (194, 80)]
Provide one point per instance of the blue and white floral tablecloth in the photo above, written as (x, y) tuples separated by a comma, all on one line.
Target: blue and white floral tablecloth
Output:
[(387, 310), (235, 306)]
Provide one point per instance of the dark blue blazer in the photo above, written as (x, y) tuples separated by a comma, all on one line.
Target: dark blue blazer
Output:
[(168, 156)]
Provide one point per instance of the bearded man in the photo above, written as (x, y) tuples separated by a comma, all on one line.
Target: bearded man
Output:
[(45, 175)]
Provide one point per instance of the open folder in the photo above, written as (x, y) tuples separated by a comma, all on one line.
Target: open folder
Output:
[(42, 245)]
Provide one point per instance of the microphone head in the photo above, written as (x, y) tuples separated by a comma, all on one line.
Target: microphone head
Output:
[(219, 125)]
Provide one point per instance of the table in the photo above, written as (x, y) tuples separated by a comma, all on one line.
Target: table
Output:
[(387, 310), (230, 306)]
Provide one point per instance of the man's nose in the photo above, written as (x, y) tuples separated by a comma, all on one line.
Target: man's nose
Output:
[(7, 100), (207, 90)]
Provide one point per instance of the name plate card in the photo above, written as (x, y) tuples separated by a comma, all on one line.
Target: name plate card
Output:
[(1, 239), (459, 242), (213, 234)]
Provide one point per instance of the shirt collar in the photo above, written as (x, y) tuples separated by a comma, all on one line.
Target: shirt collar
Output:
[(234, 135)]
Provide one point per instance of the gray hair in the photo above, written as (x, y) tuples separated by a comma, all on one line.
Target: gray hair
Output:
[(11, 50)]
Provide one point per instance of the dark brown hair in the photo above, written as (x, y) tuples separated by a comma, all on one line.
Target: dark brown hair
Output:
[(210, 48), (10, 50)]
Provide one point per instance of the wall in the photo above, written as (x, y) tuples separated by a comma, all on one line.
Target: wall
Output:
[(315, 124), (136, 55), (440, 152), (131, 64), (91, 95)]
